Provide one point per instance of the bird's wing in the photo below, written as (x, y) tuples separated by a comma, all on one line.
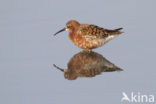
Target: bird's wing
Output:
[(92, 31)]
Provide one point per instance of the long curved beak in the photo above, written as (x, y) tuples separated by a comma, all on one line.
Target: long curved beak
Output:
[(60, 31), (58, 68)]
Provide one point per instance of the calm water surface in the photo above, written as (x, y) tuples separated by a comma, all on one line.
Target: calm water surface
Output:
[(29, 50)]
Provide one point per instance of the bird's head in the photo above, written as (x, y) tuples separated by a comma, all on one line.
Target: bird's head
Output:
[(71, 27)]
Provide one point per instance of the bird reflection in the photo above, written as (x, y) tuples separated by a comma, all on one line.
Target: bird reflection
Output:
[(87, 64)]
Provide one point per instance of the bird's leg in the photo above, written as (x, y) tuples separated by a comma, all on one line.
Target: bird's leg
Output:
[(87, 50)]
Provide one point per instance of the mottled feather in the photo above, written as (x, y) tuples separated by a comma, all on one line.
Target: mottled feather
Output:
[(93, 31)]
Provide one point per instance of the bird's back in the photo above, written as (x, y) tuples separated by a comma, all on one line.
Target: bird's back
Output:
[(93, 30)]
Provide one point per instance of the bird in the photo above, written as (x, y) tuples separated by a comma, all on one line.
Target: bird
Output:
[(87, 64), (88, 36)]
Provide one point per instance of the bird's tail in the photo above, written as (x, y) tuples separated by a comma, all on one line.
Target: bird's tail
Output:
[(115, 31)]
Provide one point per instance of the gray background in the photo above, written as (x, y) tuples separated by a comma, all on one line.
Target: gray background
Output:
[(28, 50)]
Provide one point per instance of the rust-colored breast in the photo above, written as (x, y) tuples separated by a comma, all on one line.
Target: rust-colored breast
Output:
[(80, 41)]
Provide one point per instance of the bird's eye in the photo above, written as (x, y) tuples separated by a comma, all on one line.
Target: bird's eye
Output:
[(68, 26)]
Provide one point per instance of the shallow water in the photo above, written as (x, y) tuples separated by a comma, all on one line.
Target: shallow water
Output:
[(29, 50)]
